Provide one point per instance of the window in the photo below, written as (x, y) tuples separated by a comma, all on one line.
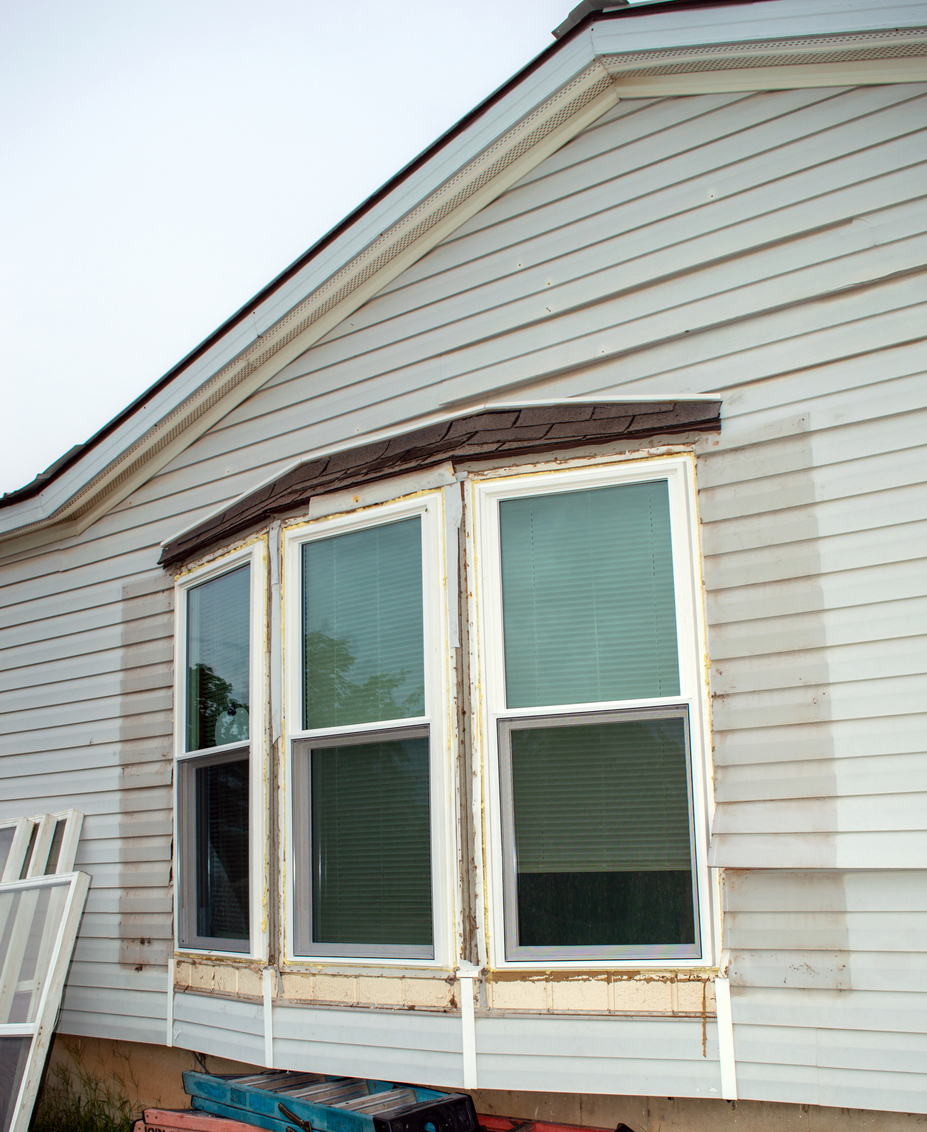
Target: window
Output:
[(590, 666), (369, 752), (218, 724)]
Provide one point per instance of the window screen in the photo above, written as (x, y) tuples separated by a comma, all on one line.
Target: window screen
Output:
[(599, 829), (371, 853), (222, 850)]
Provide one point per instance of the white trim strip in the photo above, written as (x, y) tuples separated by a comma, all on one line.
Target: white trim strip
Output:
[(725, 1018)]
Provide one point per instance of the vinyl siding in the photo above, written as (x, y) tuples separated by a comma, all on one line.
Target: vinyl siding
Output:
[(769, 247)]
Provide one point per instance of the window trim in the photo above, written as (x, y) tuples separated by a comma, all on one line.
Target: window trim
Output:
[(255, 554), (487, 691), (439, 677)]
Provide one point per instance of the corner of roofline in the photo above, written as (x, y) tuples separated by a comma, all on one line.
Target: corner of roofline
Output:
[(584, 9)]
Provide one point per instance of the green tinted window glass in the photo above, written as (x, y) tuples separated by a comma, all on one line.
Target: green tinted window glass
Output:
[(362, 626), (371, 854), (218, 625), (589, 609), (602, 833)]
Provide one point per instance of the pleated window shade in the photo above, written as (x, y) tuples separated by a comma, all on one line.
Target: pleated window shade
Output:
[(218, 630), (362, 626), (588, 600), (371, 844)]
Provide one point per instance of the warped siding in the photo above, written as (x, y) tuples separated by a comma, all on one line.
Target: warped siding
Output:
[(769, 247)]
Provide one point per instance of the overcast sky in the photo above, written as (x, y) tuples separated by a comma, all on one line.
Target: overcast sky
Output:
[(162, 160)]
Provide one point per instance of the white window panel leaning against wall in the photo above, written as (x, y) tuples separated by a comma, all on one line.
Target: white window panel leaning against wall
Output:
[(588, 718), (221, 801)]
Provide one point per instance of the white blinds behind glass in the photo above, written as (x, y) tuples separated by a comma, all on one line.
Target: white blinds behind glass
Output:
[(362, 623), (588, 601), (601, 797), (371, 855)]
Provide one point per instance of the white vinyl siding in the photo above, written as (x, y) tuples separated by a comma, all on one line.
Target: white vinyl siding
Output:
[(768, 247)]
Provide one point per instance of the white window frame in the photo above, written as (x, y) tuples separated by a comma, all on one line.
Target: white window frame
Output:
[(254, 554), (487, 692), (438, 677)]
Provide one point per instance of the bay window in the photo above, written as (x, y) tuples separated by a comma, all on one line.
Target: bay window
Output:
[(579, 785)]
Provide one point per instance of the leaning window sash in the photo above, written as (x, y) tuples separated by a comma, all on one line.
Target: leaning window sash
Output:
[(566, 678)]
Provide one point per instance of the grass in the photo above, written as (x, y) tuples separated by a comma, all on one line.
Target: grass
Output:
[(80, 1098)]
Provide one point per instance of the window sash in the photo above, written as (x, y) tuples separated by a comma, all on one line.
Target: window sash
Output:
[(614, 845), (191, 863), (485, 496), (305, 894), (427, 511)]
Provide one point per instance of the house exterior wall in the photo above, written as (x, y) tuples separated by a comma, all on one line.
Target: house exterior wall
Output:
[(764, 246)]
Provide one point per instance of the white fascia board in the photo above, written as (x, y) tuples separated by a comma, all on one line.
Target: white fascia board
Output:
[(766, 19)]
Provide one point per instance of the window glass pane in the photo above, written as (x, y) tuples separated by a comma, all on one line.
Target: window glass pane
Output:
[(371, 856), (221, 840), (587, 589), (29, 922), (362, 626), (6, 841), (602, 838), (51, 865), (218, 660)]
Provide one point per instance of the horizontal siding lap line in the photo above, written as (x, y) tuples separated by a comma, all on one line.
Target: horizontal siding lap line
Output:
[(715, 159), (321, 417), (772, 129), (96, 709)]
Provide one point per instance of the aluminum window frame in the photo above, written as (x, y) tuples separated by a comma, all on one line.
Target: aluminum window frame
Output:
[(487, 692), (429, 505), (186, 939)]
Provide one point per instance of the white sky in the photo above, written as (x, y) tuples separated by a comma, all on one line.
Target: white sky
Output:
[(162, 160)]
